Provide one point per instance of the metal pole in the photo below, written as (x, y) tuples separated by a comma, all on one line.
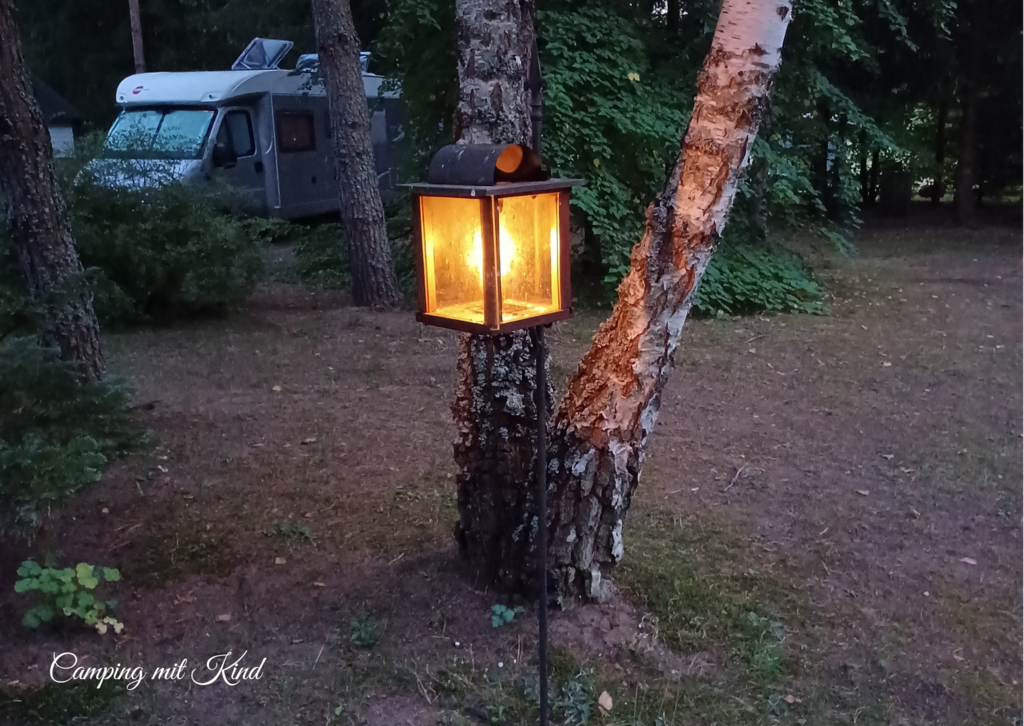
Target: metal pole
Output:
[(541, 398)]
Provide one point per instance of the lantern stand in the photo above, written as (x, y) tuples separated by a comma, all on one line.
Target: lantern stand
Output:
[(490, 232)]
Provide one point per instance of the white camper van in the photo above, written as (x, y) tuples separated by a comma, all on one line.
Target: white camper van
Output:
[(263, 130)]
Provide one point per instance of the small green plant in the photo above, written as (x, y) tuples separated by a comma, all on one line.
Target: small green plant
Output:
[(502, 615), (290, 530), (366, 630), (577, 702), (765, 645), (70, 592)]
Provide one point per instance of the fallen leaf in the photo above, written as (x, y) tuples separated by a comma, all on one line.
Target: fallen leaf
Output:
[(310, 440), (886, 364), (791, 699), (105, 510), (958, 658), (888, 457), (916, 514), (863, 492), (318, 584), (605, 702), (225, 618), (280, 561), (968, 560), (276, 389)]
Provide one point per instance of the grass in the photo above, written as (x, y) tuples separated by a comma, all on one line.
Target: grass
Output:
[(58, 704)]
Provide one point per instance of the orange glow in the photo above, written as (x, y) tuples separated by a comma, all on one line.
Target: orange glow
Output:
[(526, 264)]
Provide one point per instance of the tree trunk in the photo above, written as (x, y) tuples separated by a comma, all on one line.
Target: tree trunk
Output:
[(672, 18), (600, 430), (35, 213), (136, 22), (939, 183), (876, 160), (494, 408), (963, 195), (362, 213), (758, 218)]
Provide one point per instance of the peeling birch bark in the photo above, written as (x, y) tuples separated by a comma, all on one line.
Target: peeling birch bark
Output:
[(600, 430), (35, 213)]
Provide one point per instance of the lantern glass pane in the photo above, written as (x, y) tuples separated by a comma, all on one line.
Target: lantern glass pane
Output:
[(453, 257), (528, 254)]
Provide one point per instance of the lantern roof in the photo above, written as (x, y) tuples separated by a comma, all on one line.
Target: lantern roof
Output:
[(487, 170)]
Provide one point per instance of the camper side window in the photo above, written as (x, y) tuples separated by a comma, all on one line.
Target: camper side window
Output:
[(236, 131), (295, 132)]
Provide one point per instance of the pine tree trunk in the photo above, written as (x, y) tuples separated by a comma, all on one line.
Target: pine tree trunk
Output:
[(600, 430), (35, 214), (939, 184), (362, 213), (494, 408), (135, 16)]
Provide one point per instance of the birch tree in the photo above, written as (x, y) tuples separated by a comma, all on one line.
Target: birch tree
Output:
[(494, 408), (599, 433), (34, 211), (362, 212)]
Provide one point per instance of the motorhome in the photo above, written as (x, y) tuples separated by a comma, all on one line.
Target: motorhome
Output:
[(260, 129)]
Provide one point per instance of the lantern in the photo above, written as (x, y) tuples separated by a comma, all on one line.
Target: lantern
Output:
[(491, 238)]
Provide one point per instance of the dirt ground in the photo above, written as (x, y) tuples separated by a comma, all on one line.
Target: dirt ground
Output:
[(854, 479)]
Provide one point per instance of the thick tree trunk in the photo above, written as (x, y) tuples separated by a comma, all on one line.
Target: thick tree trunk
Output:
[(494, 408), (362, 213), (601, 428), (35, 213), (135, 16)]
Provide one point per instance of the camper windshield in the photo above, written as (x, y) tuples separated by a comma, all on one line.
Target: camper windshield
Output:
[(158, 134)]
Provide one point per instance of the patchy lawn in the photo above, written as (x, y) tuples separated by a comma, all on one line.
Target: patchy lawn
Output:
[(827, 531)]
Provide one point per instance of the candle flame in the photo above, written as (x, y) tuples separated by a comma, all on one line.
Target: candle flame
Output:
[(507, 251)]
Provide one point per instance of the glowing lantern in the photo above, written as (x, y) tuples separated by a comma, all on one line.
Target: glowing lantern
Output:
[(491, 234)]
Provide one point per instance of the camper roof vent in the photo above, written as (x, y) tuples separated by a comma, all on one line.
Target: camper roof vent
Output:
[(310, 62), (262, 54)]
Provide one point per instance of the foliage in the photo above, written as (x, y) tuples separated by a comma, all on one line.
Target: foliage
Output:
[(68, 592), (502, 615), (57, 430), (366, 630), (744, 279), (609, 120), (322, 253), (163, 252)]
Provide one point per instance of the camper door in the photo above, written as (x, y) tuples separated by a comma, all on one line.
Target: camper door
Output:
[(237, 158), (305, 159)]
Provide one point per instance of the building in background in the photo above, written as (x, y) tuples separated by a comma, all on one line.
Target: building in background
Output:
[(62, 120)]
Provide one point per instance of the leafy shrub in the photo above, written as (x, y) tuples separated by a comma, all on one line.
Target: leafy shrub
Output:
[(57, 430), (743, 279), (68, 592), (366, 630), (502, 615), (162, 252), (322, 255)]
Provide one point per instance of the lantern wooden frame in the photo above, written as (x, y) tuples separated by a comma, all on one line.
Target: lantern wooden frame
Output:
[(488, 199)]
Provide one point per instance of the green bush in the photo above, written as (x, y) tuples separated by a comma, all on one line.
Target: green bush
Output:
[(57, 430), (163, 252), (744, 279)]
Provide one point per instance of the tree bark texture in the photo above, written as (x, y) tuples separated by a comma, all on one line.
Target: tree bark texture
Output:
[(939, 185), (600, 430), (362, 213), (135, 16), (35, 213), (963, 193), (494, 408)]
